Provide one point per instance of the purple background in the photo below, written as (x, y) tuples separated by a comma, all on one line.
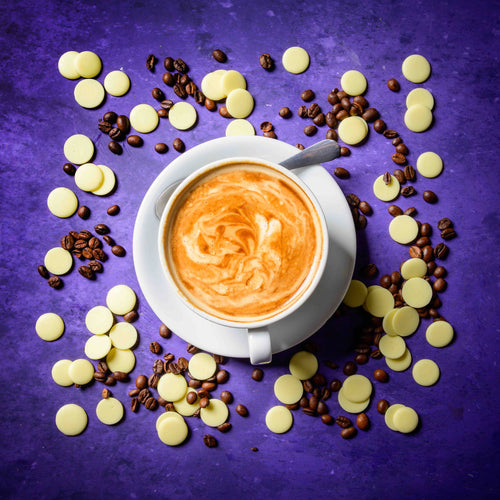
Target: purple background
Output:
[(455, 452)]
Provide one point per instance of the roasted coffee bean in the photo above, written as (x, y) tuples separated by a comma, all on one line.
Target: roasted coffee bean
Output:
[(440, 272), (422, 241), (350, 368), (365, 208), (363, 422), (266, 61), (168, 357), (219, 56), (158, 94), (410, 173), (408, 191), (155, 347), (361, 101), (226, 396), (342, 115), (381, 375), (257, 374), (370, 270), (191, 349), (444, 223), (204, 402), (361, 359), (69, 169), (141, 382), (120, 376), (402, 148), (200, 99), (352, 200), (180, 90), (343, 422), (118, 250), (427, 253), (429, 196), (304, 402), (104, 127), (385, 281), (161, 401), (319, 120), (151, 403), (219, 359), (307, 95), (398, 158), (394, 210), (153, 380), (348, 433), (313, 403), (161, 148), (285, 112), (379, 126), (370, 115), (225, 427), (171, 407), (241, 410), (191, 397), (341, 173), (431, 266), (80, 244), (110, 117), (110, 380), (165, 331), (110, 241), (325, 393), (330, 120), (390, 134), (319, 380), (123, 124), (440, 285), (376, 354), (345, 151), (134, 392), (180, 66), (382, 406), (302, 111), (190, 87), (415, 252), (86, 272), (332, 98), (448, 234), (97, 254), (67, 242), (134, 405), (102, 366), (313, 110), (355, 110), (209, 386), (410, 211), (94, 243), (426, 229), (99, 229), (158, 367), (393, 85), (100, 376), (395, 277), (393, 289), (327, 419), (184, 80), (345, 103), (400, 176), (360, 222), (308, 386), (106, 393), (310, 130), (300, 146), (224, 112), (162, 113), (135, 141), (168, 63), (387, 178), (271, 134), (144, 394), (87, 253), (42, 271), (335, 385), (309, 411), (150, 62), (209, 441), (115, 148), (222, 376)]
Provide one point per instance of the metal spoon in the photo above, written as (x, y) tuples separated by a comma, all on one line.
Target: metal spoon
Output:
[(317, 153)]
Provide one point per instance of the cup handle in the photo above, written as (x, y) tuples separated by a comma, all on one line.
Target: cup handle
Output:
[(259, 345)]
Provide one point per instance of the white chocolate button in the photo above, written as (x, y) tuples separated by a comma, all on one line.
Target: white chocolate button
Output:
[(418, 118), (144, 118), (429, 164), (60, 373), (413, 268), (356, 294), (123, 335), (172, 387), (164, 416), (405, 419), (78, 149), (97, 347), (239, 127), (109, 182), (295, 60), (279, 419), (349, 406), (303, 365), (232, 80), (379, 301), (71, 419), (120, 360), (416, 68), (357, 388), (353, 82), (173, 431), (88, 64), (416, 292), (392, 346), (387, 322), (66, 65), (202, 366), (211, 85), (109, 411), (405, 321), (288, 389), (62, 202), (121, 299), (420, 96), (117, 83), (89, 93), (439, 334), (81, 371), (389, 415), (400, 364), (352, 130), (239, 103), (403, 229), (183, 407), (49, 326), (89, 177), (386, 192), (215, 413), (182, 116), (425, 372), (58, 261), (99, 320)]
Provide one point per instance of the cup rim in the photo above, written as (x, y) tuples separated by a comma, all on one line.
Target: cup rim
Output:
[(320, 267)]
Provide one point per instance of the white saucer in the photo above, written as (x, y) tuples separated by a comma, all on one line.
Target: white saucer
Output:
[(285, 333)]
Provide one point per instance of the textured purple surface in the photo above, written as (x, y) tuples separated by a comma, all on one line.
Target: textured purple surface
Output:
[(454, 453)]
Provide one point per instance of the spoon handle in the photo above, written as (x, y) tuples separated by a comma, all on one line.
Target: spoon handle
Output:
[(317, 153)]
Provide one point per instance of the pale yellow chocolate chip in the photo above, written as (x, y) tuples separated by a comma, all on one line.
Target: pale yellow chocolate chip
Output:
[(239, 127), (71, 419), (232, 80), (420, 96), (117, 83), (173, 431), (58, 261), (81, 371), (418, 118), (279, 419), (97, 347), (352, 130), (357, 388), (60, 373), (99, 320), (109, 182), (425, 372), (413, 268), (202, 366), (164, 416), (400, 364), (303, 365), (172, 387), (89, 177), (429, 164), (392, 346), (405, 419), (386, 192), (62, 202), (144, 118), (403, 229), (123, 335), (416, 68), (49, 326), (78, 149), (295, 60), (239, 103), (211, 85), (288, 389), (66, 65), (182, 116), (215, 413), (405, 321), (389, 415), (109, 411), (183, 407), (89, 93), (387, 322), (416, 292), (121, 299), (120, 360), (356, 294), (439, 334), (349, 406), (379, 301), (88, 64), (353, 82)]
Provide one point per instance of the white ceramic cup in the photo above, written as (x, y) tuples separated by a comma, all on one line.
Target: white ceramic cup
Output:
[(259, 337)]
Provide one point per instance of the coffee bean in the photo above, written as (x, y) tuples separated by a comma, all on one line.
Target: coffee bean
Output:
[(110, 241), (381, 375), (398, 158), (335, 385), (396, 278), (394, 210), (385, 281), (241, 410), (209, 441), (168, 79), (123, 124), (309, 411), (361, 359), (165, 331), (307, 95), (345, 151), (310, 130), (110, 117), (343, 422), (224, 112), (370, 115), (345, 103), (410, 211), (113, 210), (266, 61), (97, 254), (327, 419), (150, 62), (180, 91), (308, 385), (365, 208), (271, 134), (319, 120), (226, 396), (342, 115), (352, 199), (363, 422), (444, 223), (55, 282), (180, 66), (410, 173), (379, 126), (42, 271), (448, 234), (408, 191), (191, 349), (332, 98), (155, 347), (393, 85), (440, 272), (134, 405), (429, 196), (105, 127), (191, 397), (219, 56), (285, 112), (118, 250), (370, 270), (300, 146), (341, 173), (135, 141), (141, 382), (222, 376), (400, 176), (100, 376), (158, 367), (94, 243), (120, 376), (86, 272), (161, 148), (390, 134), (204, 402), (415, 252), (382, 406), (151, 404), (302, 111), (158, 94), (115, 148), (376, 354), (426, 229), (313, 110), (67, 242), (422, 241), (257, 374), (440, 285), (402, 148), (131, 317), (69, 168), (350, 368), (355, 110)]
